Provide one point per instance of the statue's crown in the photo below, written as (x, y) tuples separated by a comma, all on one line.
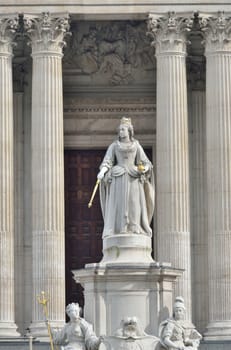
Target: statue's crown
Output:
[(125, 121)]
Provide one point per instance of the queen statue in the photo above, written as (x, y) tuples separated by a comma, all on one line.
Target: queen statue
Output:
[(126, 185)]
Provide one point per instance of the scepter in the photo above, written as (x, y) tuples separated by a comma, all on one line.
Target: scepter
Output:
[(93, 193), (43, 300)]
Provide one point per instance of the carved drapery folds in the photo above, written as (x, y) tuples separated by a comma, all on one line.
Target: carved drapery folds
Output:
[(47, 32), (168, 33)]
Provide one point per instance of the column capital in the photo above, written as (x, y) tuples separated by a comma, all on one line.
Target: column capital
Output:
[(47, 32), (168, 32), (8, 27), (216, 29)]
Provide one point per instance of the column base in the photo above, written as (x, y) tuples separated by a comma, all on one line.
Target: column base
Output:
[(123, 248), (218, 331), (8, 330)]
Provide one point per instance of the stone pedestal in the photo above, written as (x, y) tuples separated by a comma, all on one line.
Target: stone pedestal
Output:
[(115, 290), (126, 248)]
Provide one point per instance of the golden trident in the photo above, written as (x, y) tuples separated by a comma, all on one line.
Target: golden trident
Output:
[(93, 193), (43, 300)]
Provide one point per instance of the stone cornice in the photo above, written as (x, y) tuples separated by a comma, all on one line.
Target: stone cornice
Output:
[(168, 32), (8, 27), (216, 29), (46, 32)]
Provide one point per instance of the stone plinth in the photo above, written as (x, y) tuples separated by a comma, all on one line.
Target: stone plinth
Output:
[(126, 248), (115, 290)]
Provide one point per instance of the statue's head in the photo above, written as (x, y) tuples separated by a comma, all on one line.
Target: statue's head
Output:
[(126, 123), (179, 308), (73, 311), (131, 327)]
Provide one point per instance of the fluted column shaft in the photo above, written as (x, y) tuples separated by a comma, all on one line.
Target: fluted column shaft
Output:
[(46, 33), (218, 111), (8, 25), (173, 227), (198, 217)]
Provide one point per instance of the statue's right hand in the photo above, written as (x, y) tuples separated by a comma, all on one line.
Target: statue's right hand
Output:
[(102, 172)]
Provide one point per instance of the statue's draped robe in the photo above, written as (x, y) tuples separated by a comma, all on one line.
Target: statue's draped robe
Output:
[(77, 335), (127, 196)]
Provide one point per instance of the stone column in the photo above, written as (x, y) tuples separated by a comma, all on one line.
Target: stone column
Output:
[(198, 197), (217, 34), (8, 25), (19, 209), (46, 33), (173, 227)]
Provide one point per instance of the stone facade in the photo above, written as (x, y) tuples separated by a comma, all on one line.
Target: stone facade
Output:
[(68, 92)]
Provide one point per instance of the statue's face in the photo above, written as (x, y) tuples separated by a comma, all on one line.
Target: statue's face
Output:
[(123, 132), (179, 313), (73, 313), (130, 327)]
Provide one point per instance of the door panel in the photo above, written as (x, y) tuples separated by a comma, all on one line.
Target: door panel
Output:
[(83, 226)]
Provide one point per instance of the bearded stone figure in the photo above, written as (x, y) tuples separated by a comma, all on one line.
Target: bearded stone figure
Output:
[(127, 186)]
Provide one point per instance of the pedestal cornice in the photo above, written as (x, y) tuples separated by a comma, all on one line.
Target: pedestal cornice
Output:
[(216, 29), (168, 32), (46, 32)]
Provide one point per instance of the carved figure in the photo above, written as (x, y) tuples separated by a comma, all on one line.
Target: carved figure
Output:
[(88, 54), (130, 336), (130, 328), (127, 186), (114, 51), (77, 334), (176, 333)]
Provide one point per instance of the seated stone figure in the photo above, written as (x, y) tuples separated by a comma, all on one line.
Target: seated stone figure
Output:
[(176, 333), (77, 334)]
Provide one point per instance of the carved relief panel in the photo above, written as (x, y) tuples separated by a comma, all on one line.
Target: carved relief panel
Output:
[(111, 53)]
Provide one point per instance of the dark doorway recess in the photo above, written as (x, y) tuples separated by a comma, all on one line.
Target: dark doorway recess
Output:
[(83, 226)]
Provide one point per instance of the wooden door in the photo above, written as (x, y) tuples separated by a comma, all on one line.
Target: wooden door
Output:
[(83, 226)]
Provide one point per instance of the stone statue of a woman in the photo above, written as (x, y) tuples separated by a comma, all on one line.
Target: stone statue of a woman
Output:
[(77, 334), (127, 186)]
